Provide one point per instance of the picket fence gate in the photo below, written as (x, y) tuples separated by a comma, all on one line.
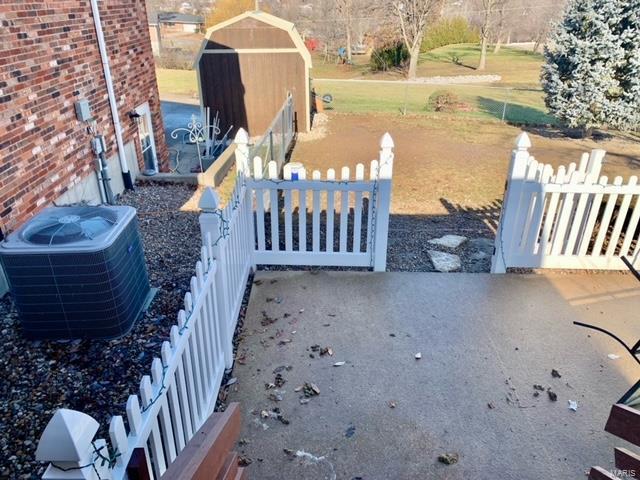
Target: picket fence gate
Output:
[(571, 218), (179, 395), (324, 222)]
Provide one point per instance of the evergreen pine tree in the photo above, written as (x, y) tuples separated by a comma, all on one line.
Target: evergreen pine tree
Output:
[(582, 64), (628, 113)]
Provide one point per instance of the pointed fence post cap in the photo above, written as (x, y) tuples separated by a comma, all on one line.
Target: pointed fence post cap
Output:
[(241, 136), (386, 141), (209, 200), (523, 142), (67, 437)]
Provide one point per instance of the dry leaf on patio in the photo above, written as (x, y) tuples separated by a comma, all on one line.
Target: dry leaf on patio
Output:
[(282, 368), (448, 458), (310, 389), (275, 396)]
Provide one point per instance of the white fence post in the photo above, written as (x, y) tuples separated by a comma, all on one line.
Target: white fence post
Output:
[(383, 203), (513, 190), (67, 443), (212, 230), (242, 151)]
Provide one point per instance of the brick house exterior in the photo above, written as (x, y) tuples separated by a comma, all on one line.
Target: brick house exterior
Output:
[(49, 59)]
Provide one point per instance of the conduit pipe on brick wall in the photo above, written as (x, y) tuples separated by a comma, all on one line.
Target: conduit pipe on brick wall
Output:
[(124, 166)]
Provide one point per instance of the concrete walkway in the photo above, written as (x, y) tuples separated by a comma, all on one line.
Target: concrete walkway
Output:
[(485, 341)]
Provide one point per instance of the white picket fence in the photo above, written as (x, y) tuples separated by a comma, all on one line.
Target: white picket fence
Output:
[(571, 218), (324, 222), (181, 392)]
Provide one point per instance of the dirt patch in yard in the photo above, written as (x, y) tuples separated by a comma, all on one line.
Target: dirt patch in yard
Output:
[(449, 174), (445, 164)]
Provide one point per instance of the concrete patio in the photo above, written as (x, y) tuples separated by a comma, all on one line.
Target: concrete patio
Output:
[(485, 341)]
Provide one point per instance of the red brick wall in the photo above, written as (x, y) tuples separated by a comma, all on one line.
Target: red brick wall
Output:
[(49, 59)]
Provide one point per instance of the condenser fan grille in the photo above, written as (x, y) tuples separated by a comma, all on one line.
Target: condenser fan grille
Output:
[(69, 226)]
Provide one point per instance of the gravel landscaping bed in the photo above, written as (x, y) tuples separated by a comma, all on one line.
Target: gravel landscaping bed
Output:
[(409, 241), (95, 377), (410, 238)]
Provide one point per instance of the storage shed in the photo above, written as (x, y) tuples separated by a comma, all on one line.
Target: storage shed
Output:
[(246, 67)]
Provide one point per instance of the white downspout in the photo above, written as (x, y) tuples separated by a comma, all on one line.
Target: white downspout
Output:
[(126, 175)]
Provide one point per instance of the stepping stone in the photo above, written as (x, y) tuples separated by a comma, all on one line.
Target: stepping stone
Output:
[(444, 262), (449, 241)]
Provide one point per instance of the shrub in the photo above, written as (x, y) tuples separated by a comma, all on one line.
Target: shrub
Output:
[(446, 101), (449, 31), (175, 59), (442, 101), (388, 57)]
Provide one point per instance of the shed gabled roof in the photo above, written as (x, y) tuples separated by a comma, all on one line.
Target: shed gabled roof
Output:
[(264, 17)]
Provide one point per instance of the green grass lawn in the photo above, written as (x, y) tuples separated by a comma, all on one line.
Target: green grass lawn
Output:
[(517, 67), (328, 68), (177, 82), (522, 106)]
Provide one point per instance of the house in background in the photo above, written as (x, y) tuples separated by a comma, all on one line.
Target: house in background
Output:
[(69, 72), (174, 28)]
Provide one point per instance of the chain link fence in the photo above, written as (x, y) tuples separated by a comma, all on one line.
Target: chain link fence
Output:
[(516, 105)]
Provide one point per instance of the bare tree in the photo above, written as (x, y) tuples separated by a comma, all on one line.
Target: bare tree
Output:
[(412, 17), (345, 10), (543, 23), (489, 8), (501, 26)]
